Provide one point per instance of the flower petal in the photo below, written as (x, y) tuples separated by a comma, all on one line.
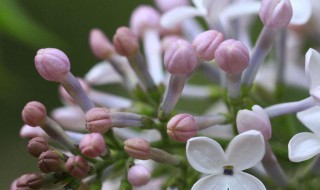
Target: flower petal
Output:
[(210, 182), (244, 181), (205, 155), (310, 118), (102, 73), (301, 11), (201, 6), (235, 10), (303, 146), (245, 150), (174, 17), (312, 68)]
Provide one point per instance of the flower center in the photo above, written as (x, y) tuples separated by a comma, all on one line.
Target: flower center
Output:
[(228, 170)]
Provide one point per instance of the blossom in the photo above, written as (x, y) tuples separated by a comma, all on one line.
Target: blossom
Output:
[(225, 168), (306, 145), (312, 68)]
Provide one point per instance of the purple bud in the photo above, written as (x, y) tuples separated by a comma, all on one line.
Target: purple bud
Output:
[(52, 64), (78, 167), (138, 175), (144, 17), (21, 183), (100, 44), (126, 42), (34, 113), (275, 14), (98, 120), (35, 181), (92, 145), (206, 43), (180, 59), (167, 41), (49, 161), (232, 56), (137, 148), (182, 127), (37, 145)]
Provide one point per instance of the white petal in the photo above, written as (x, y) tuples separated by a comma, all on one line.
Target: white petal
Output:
[(205, 155), (236, 10), (109, 100), (211, 182), (75, 136), (243, 181), (102, 73), (310, 118), (200, 5), (301, 11), (303, 146), (70, 118), (245, 150), (312, 68), (176, 16)]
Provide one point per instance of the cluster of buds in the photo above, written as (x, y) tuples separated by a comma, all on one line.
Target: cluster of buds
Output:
[(159, 135)]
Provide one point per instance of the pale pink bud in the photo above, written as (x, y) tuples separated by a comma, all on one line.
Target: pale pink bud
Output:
[(182, 127), (92, 145), (257, 119), (37, 145), (98, 120), (232, 56), (65, 96), (13, 185), (100, 45), (35, 181), (126, 42), (275, 14), (78, 167), (49, 161), (21, 183), (180, 59), (167, 41), (144, 17), (52, 64), (137, 148), (166, 5), (206, 43), (34, 113), (138, 175)]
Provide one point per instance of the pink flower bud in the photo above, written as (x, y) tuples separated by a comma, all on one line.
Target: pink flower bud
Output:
[(37, 145), (52, 64), (144, 17), (98, 120), (78, 167), (166, 5), (65, 96), (182, 127), (275, 14), (137, 148), (180, 59), (167, 41), (206, 43), (22, 183), (232, 56), (257, 119), (49, 161), (92, 145), (138, 175), (34, 113), (100, 44), (35, 181), (126, 42)]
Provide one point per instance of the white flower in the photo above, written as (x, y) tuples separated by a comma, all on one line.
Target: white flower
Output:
[(306, 145), (225, 168), (312, 69)]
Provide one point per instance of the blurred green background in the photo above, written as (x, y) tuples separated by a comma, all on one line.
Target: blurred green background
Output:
[(25, 27)]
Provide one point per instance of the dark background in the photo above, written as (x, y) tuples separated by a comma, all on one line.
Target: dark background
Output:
[(25, 27)]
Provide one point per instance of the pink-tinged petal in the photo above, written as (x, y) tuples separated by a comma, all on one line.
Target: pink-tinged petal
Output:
[(310, 118), (211, 182), (312, 68), (301, 11), (201, 6), (102, 73), (205, 155), (239, 9), (303, 146), (245, 150), (70, 118), (176, 16), (243, 181)]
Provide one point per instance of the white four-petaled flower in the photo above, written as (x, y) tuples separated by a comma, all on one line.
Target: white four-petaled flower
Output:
[(224, 169)]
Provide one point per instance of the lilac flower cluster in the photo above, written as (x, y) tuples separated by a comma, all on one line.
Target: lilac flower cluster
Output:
[(143, 140)]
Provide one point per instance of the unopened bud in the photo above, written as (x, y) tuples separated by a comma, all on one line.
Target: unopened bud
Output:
[(52, 64), (21, 183), (78, 167), (137, 148), (50, 161), (98, 120), (92, 145), (37, 145), (34, 113), (35, 181), (100, 44), (138, 175), (182, 127), (126, 42), (144, 17)]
